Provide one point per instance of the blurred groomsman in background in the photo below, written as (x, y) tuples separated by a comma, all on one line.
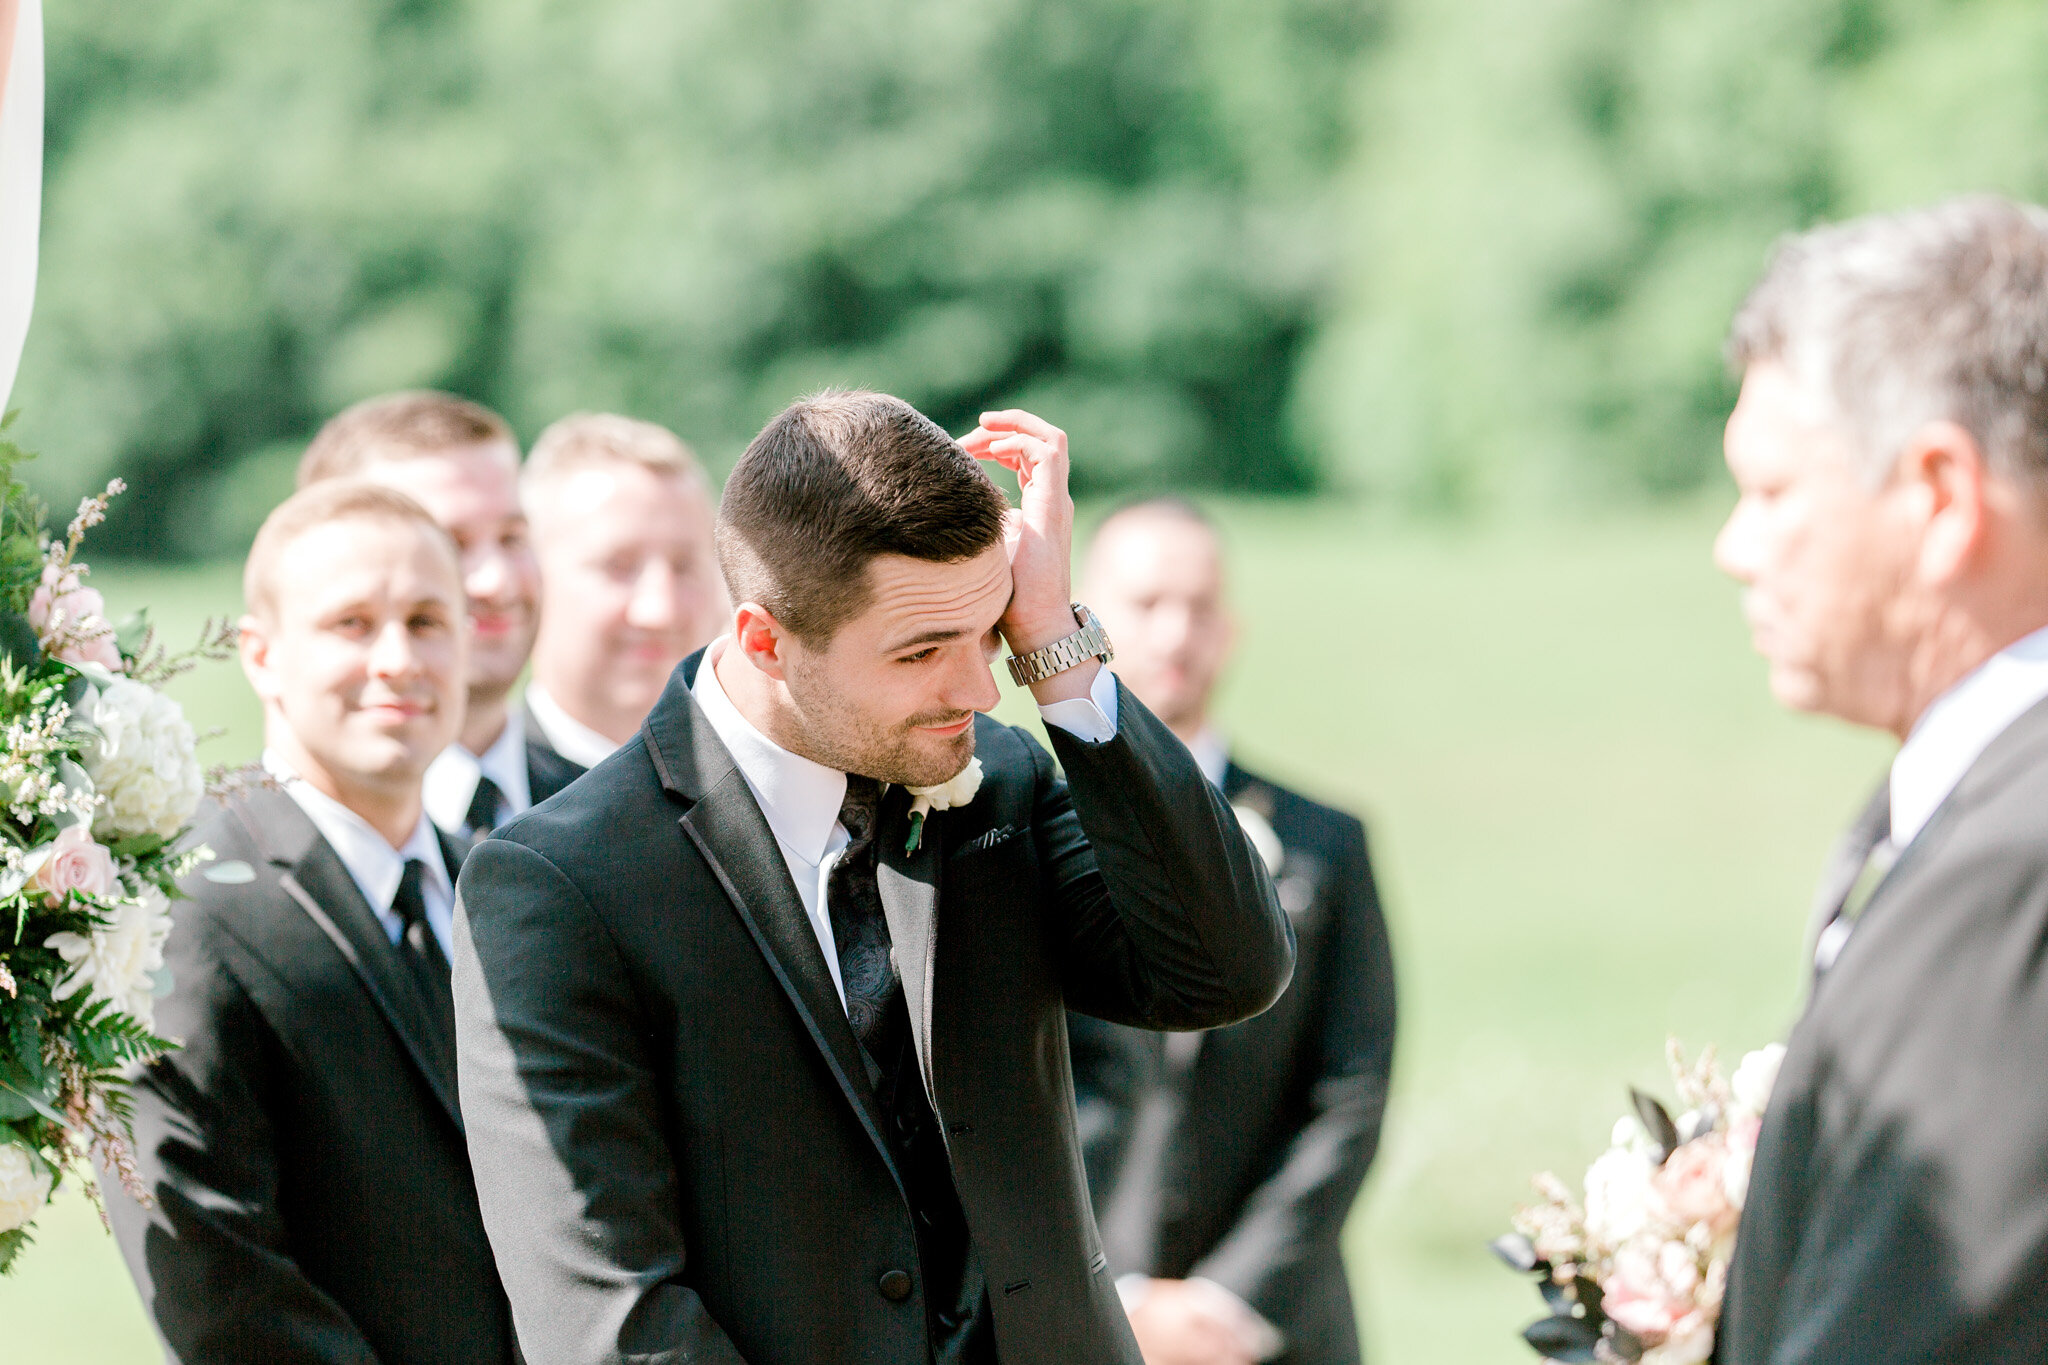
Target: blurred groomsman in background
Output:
[(312, 1191), (1890, 446), (622, 517), (460, 461), (1223, 1164)]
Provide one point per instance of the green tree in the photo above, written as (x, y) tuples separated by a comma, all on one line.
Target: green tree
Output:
[(1117, 210)]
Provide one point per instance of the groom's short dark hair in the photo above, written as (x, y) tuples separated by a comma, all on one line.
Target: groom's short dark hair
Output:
[(836, 480)]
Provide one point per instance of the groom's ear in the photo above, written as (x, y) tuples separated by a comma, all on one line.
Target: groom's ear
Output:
[(761, 638)]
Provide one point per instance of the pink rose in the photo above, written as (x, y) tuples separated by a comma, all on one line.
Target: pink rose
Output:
[(87, 638), (76, 866), (1690, 1183), (1635, 1296)]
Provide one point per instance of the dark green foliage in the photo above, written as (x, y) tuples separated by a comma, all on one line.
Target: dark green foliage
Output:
[(1117, 211), (1448, 253)]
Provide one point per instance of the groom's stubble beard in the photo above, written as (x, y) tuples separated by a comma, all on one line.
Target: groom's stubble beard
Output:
[(839, 735)]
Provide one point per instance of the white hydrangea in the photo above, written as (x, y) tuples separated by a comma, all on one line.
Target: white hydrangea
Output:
[(122, 962), (144, 763), (24, 1186), (1618, 1196)]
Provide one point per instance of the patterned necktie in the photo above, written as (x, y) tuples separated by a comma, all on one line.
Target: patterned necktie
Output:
[(867, 969), (421, 951), (484, 805)]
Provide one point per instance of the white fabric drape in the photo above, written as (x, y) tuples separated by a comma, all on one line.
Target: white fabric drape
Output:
[(21, 188)]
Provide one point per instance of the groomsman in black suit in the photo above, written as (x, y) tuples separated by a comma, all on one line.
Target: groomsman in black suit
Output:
[(460, 461), (622, 521), (766, 1061), (1890, 447), (1223, 1164), (312, 1195)]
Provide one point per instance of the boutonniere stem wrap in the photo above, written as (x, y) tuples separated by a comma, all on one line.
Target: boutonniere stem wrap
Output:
[(956, 792)]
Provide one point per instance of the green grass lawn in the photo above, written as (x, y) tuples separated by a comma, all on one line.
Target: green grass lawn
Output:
[(1593, 828)]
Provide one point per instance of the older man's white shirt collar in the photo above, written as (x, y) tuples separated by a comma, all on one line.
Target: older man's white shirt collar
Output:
[(373, 864), (451, 778), (565, 734), (1954, 732)]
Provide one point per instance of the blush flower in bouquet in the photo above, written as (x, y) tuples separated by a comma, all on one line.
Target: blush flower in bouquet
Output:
[(99, 783), (1634, 1271)]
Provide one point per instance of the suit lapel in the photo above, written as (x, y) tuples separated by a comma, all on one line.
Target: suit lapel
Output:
[(547, 772), (313, 875), (909, 883), (732, 835)]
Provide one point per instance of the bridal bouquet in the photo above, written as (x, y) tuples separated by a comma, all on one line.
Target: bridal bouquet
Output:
[(98, 785), (1636, 1271)]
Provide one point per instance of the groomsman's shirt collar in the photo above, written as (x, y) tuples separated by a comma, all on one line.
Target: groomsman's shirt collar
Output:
[(451, 778), (1212, 754), (373, 864), (565, 734), (1961, 724)]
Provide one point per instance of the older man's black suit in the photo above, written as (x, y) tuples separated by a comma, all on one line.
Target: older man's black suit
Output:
[(682, 1156), (312, 1190), (1255, 1142), (1898, 1209)]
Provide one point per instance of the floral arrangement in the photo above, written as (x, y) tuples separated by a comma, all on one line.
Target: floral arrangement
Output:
[(956, 790), (98, 785), (1637, 1271)]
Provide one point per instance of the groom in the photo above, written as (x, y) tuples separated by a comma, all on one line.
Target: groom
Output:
[(1891, 450), (759, 1065)]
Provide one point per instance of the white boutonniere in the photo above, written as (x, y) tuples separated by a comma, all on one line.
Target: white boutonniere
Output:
[(957, 791), (1259, 830)]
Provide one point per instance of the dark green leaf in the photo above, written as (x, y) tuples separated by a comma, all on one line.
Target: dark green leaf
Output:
[(137, 845), (18, 640), (1623, 1342), (1563, 1338), (1655, 1118), (1590, 1297)]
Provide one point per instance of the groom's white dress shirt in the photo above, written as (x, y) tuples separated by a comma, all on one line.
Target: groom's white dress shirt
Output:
[(373, 864), (451, 778), (1955, 731), (801, 799)]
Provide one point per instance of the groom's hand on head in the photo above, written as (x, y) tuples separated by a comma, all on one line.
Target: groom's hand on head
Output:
[(1040, 540)]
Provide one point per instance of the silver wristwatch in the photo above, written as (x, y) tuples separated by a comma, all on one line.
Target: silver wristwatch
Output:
[(1091, 641)]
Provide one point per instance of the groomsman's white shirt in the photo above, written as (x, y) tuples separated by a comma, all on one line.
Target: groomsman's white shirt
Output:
[(374, 865), (565, 734), (451, 778), (1212, 755), (801, 799), (1956, 730)]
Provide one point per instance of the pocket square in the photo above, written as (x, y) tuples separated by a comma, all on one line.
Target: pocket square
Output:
[(985, 841)]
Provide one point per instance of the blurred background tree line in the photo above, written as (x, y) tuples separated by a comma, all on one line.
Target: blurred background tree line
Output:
[(1441, 254)]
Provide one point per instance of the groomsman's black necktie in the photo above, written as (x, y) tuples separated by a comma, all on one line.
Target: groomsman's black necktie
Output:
[(484, 805), (859, 930), (1861, 862), (421, 951)]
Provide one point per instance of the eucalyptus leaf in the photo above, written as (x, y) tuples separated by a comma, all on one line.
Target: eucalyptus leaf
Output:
[(1658, 1120), (137, 845), (13, 1093), (132, 631), (1517, 1251), (1562, 1338), (77, 687)]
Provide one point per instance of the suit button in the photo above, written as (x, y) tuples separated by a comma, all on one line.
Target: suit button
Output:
[(895, 1285)]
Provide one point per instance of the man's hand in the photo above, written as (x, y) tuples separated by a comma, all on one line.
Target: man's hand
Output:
[(1040, 540), (1175, 1325)]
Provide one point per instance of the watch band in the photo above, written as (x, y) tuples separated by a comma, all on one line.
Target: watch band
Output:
[(1091, 641)]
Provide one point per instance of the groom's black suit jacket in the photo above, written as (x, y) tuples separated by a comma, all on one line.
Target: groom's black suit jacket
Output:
[(312, 1190), (681, 1156), (1274, 1120), (1898, 1209)]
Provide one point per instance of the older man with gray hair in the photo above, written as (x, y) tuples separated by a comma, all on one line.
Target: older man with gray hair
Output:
[(1890, 446)]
